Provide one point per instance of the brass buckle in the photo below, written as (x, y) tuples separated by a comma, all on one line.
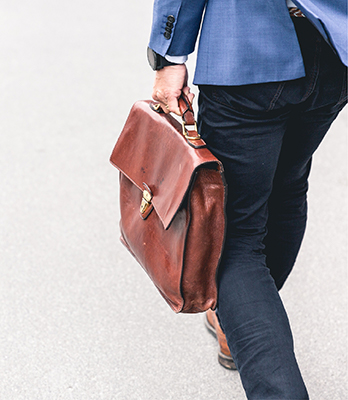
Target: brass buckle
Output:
[(156, 106), (145, 202), (186, 132)]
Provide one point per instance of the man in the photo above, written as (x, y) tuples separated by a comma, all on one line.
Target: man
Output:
[(271, 80)]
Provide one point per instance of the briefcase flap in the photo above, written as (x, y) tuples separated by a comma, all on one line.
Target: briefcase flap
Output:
[(152, 150)]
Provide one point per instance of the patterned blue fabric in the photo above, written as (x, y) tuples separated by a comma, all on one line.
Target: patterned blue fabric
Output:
[(244, 42)]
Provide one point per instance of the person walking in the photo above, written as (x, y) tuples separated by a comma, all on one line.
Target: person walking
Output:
[(272, 78)]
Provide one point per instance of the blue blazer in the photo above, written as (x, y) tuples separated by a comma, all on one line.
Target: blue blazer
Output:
[(244, 41)]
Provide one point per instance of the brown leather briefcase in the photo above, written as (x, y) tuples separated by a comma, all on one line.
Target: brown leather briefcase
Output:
[(172, 199)]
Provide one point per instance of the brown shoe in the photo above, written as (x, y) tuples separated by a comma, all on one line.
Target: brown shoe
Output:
[(213, 326)]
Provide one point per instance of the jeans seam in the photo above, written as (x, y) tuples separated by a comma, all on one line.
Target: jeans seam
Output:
[(343, 94), (241, 109), (276, 96), (217, 100), (315, 74)]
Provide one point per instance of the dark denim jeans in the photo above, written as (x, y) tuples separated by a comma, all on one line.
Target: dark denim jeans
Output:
[(265, 135)]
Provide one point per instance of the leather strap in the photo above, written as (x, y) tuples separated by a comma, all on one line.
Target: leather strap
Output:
[(186, 110), (189, 125), (295, 12), (188, 119)]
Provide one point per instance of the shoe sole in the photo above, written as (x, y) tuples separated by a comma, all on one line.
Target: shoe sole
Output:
[(226, 361)]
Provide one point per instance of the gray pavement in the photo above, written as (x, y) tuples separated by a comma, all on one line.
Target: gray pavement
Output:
[(79, 318)]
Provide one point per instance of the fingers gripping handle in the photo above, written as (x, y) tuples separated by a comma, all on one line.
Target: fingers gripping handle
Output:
[(189, 125)]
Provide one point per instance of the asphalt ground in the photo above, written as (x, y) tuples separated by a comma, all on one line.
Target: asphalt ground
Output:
[(79, 318)]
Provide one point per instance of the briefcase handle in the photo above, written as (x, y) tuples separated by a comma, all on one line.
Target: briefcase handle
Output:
[(189, 125), (188, 118)]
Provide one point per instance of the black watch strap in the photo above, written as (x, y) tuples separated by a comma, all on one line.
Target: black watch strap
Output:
[(163, 62), (157, 61)]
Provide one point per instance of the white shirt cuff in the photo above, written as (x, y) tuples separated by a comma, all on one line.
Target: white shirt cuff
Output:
[(176, 59)]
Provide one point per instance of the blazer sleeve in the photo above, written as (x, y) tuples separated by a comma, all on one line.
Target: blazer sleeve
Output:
[(175, 26)]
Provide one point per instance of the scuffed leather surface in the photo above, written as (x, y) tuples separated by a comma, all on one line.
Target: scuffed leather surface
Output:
[(180, 243)]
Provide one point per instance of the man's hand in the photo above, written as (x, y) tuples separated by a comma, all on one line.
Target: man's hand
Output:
[(169, 82)]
